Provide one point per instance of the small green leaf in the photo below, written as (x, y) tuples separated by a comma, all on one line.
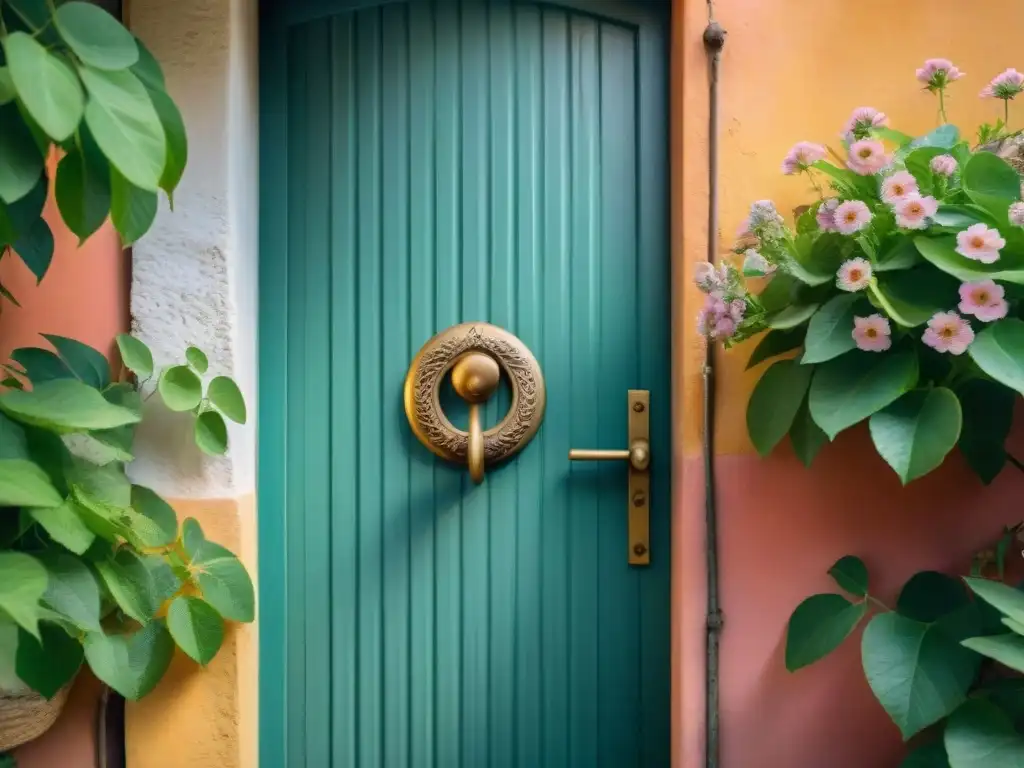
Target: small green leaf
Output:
[(64, 526), (197, 359), (830, 332), (929, 595), (917, 671), (41, 365), (85, 363), (980, 735), (149, 504), (23, 582), (180, 388), (72, 590), (20, 160), (999, 352), (806, 436), (65, 405), (1007, 649), (177, 140), (211, 433), (48, 664), (130, 584), (35, 247), (774, 403), (915, 433), (196, 627), (850, 388), (224, 582), (24, 484), (82, 189), (122, 119), (962, 216), (135, 355), (792, 316), (851, 575), (46, 86), (191, 536), (912, 296), (776, 343), (131, 664), (818, 626), (991, 182), (227, 398), (96, 37), (1005, 599), (941, 251), (988, 413), (945, 136), (132, 210)]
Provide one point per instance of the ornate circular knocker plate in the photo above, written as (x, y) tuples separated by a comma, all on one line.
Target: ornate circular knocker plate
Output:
[(433, 362)]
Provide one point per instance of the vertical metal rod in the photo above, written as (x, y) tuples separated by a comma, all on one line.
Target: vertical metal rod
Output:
[(714, 40)]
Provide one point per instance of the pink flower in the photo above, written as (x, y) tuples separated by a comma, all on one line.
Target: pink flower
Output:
[(900, 185), (1016, 214), (861, 122), (937, 73), (710, 279), (948, 332), (854, 275), (944, 165), (867, 157), (755, 264), (802, 155), (826, 214), (980, 243), (913, 212), (716, 319), (872, 333), (851, 216), (983, 299), (1005, 85)]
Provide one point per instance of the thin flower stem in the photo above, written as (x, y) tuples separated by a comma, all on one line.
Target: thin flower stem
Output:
[(1015, 461), (942, 106), (1006, 115)]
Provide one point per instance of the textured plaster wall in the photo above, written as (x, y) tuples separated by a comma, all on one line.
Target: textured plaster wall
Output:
[(194, 281), (791, 74)]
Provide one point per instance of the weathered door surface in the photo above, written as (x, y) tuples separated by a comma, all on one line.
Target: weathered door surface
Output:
[(425, 163)]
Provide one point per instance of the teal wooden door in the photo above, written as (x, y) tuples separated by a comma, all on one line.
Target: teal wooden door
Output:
[(425, 163)]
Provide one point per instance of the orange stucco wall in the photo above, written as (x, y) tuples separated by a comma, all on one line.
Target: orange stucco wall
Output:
[(83, 296), (793, 70)]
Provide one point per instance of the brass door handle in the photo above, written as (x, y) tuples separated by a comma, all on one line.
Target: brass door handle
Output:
[(638, 456), (475, 376)]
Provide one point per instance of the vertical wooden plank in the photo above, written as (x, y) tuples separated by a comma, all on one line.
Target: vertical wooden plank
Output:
[(298, 135), (586, 422), (422, 275), (372, 697), (530, 568), (345, 395), (619, 715), (502, 481), (555, 545), (447, 479), (396, 355)]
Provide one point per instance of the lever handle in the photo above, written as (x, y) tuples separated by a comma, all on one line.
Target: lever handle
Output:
[(638, 455)]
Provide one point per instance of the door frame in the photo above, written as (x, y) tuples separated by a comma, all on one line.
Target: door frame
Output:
[(272, 446)]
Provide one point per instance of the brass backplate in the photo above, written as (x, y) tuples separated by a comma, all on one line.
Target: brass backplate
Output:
[(639, 480)]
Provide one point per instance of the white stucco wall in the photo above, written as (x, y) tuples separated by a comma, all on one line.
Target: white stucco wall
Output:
[(194, 275)]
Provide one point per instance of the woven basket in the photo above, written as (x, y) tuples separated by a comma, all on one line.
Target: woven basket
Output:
[(25, 717)]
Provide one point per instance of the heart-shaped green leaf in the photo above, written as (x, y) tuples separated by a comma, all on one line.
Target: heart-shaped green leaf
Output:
[(49, 663), (65, 405), (818, 626), (197, 359), (991, 182), (211, 433), (850, 388), (851, 575), (999, 351), (131, 664), (918, 672), (227, 398), (224, 582), (915, 433), (122, 119), (82, 188), (23, 582), (980, 735), (135, 355), (96, 37), (196, 627), (180, 388), (774, 403), (830, 332), (929, 596)]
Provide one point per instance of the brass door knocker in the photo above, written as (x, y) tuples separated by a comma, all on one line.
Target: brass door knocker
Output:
[(476, 354)]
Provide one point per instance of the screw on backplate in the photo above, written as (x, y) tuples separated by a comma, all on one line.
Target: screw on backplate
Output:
[(639, 498), (639, 550), (638, 407)]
